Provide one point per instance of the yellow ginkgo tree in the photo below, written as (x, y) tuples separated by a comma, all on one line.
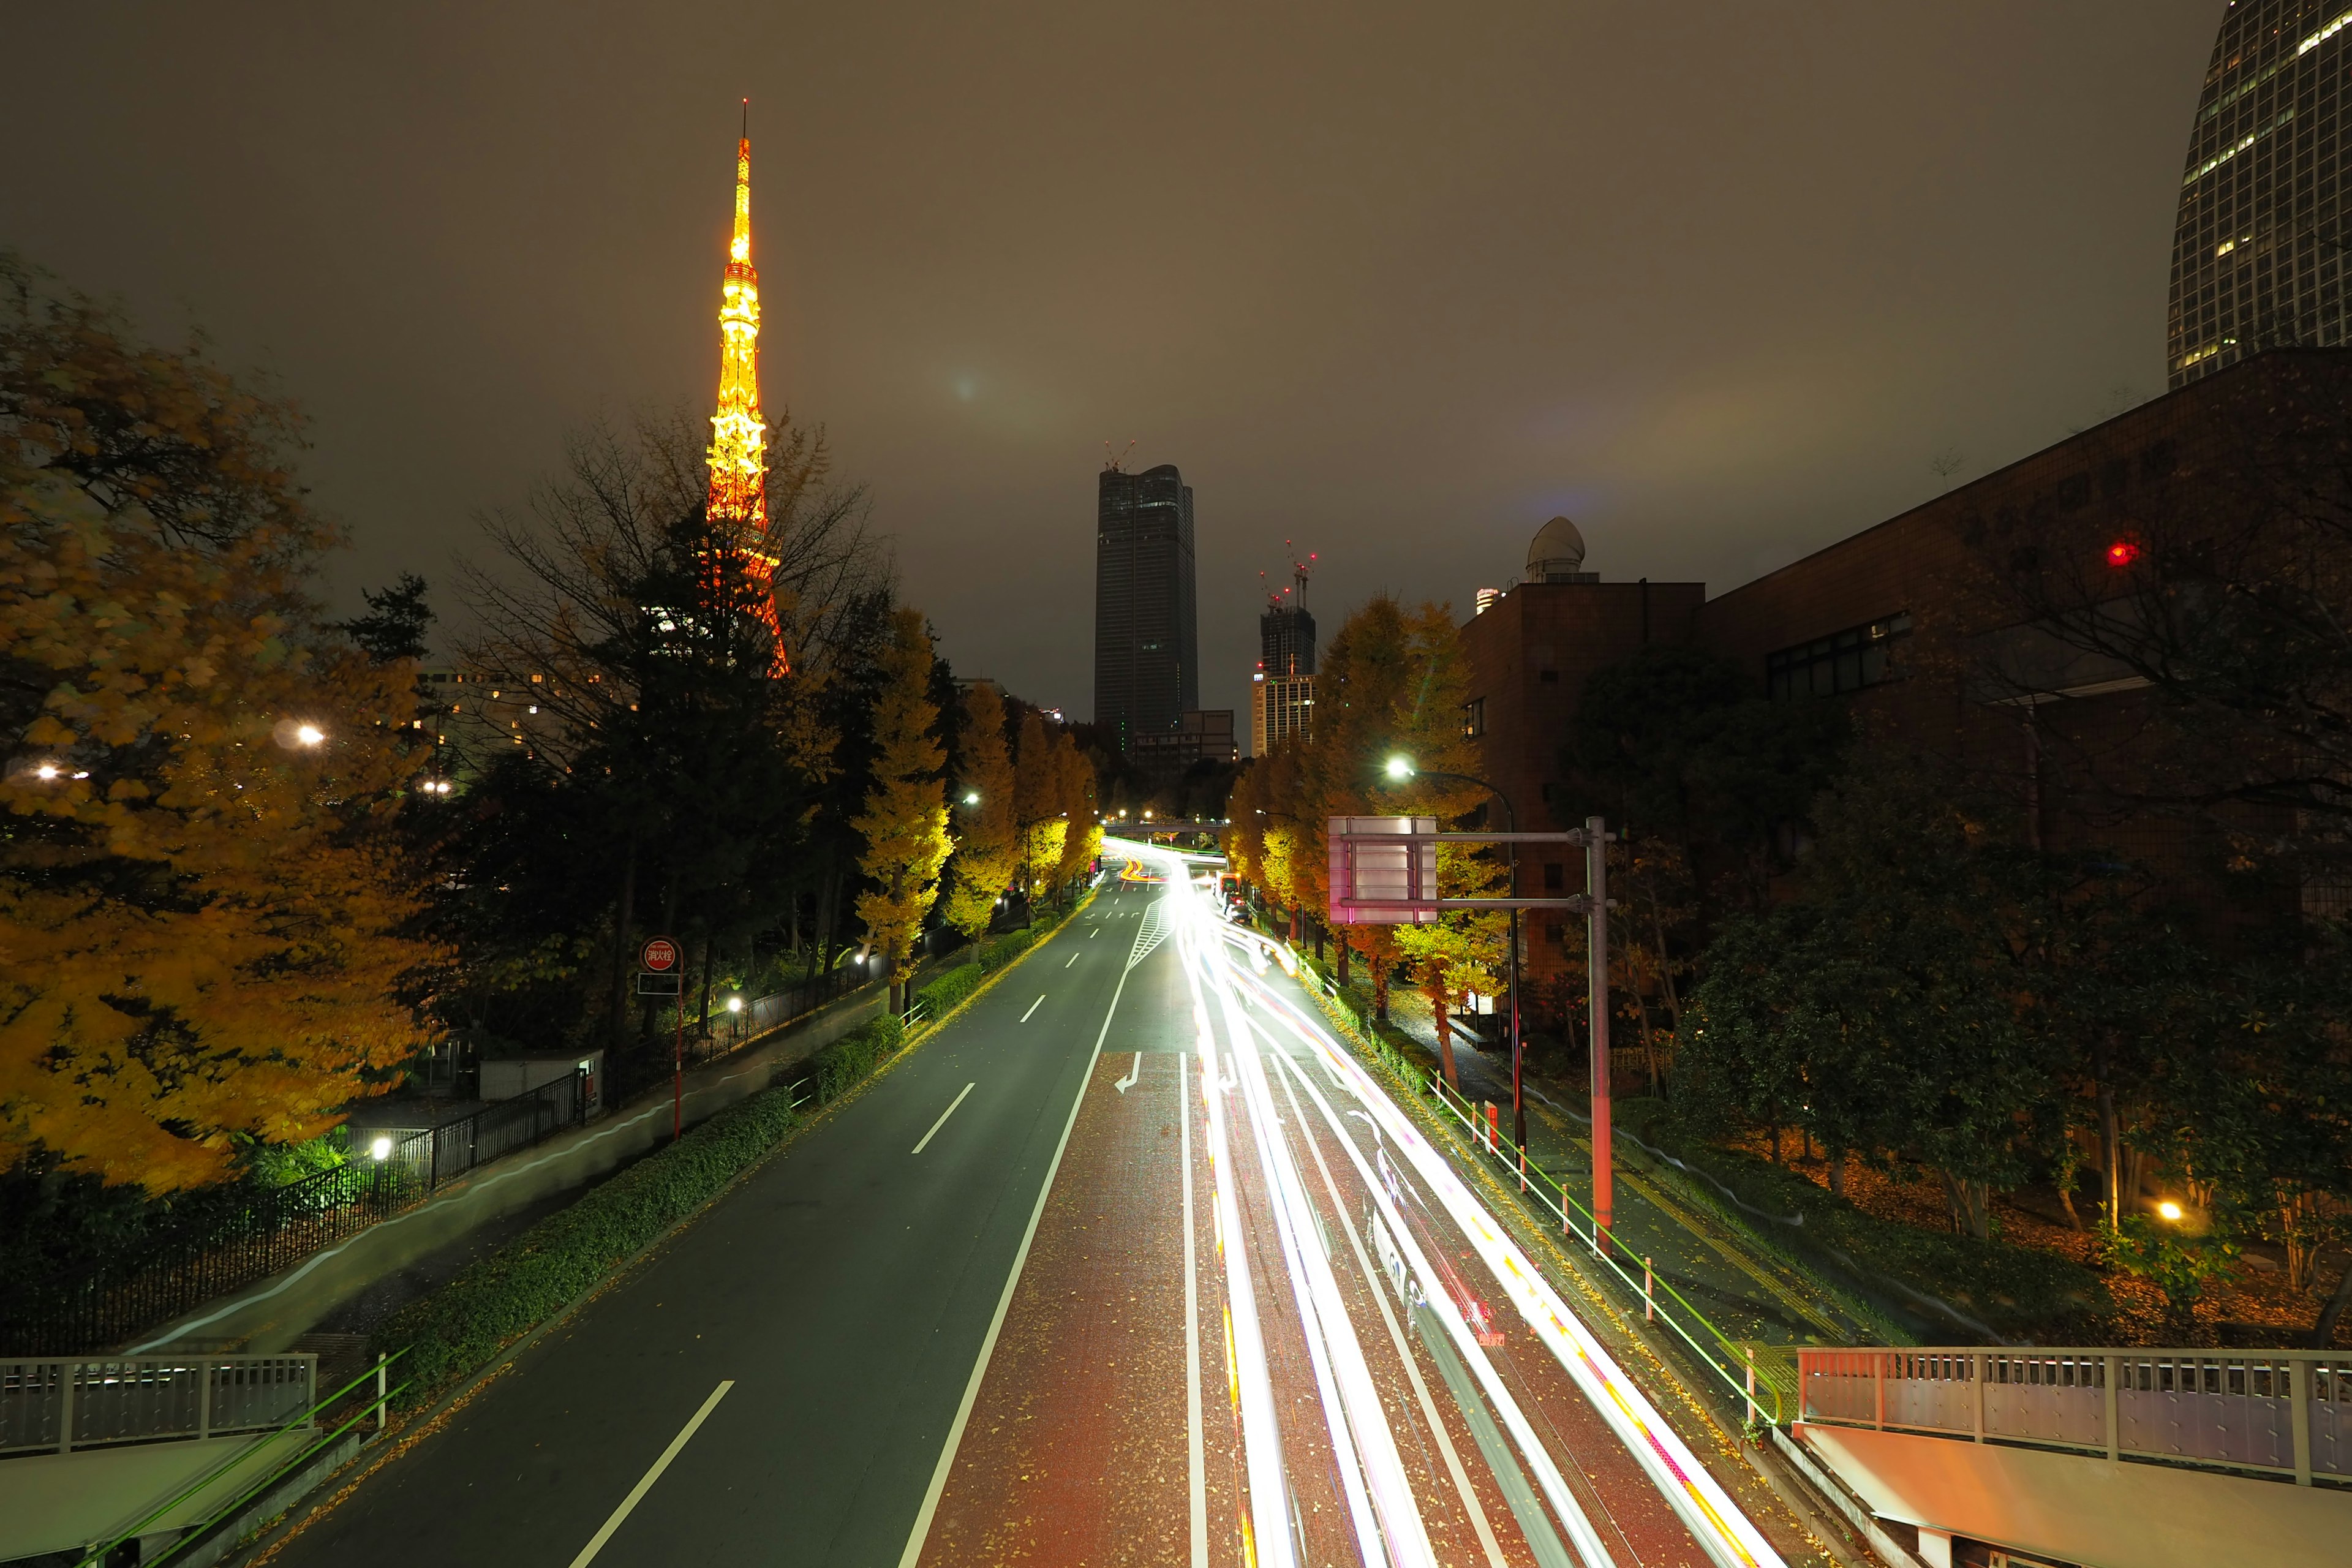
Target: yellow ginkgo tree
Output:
[(201, 908), (905, 823)]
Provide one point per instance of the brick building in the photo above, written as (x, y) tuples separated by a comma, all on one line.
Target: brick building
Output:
[(1904, 620)]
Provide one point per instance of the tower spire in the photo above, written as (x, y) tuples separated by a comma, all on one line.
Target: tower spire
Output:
[(738, 506)]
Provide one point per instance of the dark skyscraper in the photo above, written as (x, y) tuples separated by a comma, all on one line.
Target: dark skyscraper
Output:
[(1147, 662), (2258, 256)]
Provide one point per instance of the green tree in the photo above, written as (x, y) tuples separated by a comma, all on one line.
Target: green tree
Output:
[(394, 625), (905, 823)]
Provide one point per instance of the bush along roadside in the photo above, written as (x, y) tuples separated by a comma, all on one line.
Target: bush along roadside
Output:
[(459, 1327), (2016, 1292)]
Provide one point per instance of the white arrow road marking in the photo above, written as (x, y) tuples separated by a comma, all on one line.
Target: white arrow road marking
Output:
[(943, 1121), (1033, 1007), (1133, 1073), (637, 1492)]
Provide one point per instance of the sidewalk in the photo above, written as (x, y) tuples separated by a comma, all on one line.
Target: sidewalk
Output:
[(439, 1236)]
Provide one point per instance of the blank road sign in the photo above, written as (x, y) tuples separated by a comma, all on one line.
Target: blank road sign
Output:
[(1383, 870)]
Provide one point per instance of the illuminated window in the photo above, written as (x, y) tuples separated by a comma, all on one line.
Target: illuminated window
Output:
[(1841, 662), (1474, 717)]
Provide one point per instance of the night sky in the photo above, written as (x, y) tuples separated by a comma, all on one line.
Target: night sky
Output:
[(1721, 282)]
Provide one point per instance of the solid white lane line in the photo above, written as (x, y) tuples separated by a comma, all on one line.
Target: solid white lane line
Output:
[(1003, 1304), (1195, 1458), (1133, 1073), (1073, 958), (1033, 1007), (637, 1492), (943, 1121)]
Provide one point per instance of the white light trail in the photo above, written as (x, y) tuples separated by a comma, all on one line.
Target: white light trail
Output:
[(1726, 1534)]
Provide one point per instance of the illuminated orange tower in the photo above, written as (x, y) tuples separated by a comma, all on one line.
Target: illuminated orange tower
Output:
[(738, 507)]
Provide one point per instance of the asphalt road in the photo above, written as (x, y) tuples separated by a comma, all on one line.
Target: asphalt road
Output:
[(840, 1296), (1127, 1264)]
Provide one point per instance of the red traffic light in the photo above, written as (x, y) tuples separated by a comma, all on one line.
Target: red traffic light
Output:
[(2123, 552)]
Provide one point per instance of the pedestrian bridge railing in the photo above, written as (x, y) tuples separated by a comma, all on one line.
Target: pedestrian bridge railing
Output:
[(2286, 1413), (64, 1406)]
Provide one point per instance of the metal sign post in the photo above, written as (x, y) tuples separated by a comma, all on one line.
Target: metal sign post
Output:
[(662, 960), (1383, 871)]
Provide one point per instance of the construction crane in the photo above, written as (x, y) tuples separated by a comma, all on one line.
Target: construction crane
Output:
[(1116, 464)]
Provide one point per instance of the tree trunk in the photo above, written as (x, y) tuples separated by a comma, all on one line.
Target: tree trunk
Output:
[(2323, 1334), (1776, 1142), (1666, 968), (1381, 992), (1445, 1040), (624, 914), (828, 904), (1297, 918), (1837, 1173), (1341, 958), (1319, 940), (2110, 1152), (705, 1026)]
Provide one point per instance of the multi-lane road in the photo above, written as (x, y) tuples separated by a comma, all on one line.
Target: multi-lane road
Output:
[(1127, 1264)]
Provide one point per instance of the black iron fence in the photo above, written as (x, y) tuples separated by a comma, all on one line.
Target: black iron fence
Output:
[(232, 1236), (227, 1237)]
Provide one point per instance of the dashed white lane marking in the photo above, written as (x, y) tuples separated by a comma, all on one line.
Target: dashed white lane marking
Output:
[(943, 1121), (1033, 1007), (637, 1492), (1073, 958)]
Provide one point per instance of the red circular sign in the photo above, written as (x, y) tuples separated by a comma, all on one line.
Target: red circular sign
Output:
[(660, 954)]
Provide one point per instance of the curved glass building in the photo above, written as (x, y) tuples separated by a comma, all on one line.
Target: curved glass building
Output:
[(2259, 255)]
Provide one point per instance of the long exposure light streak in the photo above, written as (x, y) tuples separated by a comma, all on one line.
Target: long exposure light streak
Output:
[(1266, 1522), (1722, 1531), (1379, 1496), (1726, 1534)]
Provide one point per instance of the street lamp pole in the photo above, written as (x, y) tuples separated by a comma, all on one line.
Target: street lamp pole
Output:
[(1510, 825)]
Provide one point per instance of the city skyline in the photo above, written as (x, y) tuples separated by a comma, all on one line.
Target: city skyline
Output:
[(1448, 327)]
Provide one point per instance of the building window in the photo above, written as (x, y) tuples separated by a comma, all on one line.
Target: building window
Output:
[(1842, 661), (1555, 876), (1474, 717), (1548, 676)]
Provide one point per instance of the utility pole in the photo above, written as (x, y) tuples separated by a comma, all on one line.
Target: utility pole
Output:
[(1596, 887)]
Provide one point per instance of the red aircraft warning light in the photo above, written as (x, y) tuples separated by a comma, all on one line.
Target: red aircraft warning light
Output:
[(2123, 552)]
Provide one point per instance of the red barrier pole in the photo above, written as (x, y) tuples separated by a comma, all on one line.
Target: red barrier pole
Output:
[(678, 1067)]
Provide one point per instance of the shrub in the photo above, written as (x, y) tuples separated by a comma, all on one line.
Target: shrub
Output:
[(2010, 1288), (458, 1328), (849, 1060)]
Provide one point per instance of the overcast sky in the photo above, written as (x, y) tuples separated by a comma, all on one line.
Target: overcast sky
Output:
[(1720, 282)]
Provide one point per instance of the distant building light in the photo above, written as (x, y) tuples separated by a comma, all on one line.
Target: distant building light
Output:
[(2123, 552)]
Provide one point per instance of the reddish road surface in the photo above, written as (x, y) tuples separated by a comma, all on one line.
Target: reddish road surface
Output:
[(1261, 1322)]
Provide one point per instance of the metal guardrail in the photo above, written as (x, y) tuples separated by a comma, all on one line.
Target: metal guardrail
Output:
[(60, 1406), (2286, 1413), (1729, 1360)]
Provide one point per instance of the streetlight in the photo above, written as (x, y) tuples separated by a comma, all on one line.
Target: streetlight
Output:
[(309, 734), (1400, 768), (734, 1004), (971, 797), (381, 1148), (2168, 1209)]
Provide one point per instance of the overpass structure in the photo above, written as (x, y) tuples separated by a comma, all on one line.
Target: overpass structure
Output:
[(2098, 1457)]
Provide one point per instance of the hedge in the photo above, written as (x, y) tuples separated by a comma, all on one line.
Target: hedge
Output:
[(2012, 1290), (849, 1060), (458, 1328)]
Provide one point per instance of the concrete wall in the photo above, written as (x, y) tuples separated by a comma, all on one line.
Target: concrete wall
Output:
[(2080, 1509)]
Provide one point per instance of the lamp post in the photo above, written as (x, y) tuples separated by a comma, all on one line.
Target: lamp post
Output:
[(1400, 769)]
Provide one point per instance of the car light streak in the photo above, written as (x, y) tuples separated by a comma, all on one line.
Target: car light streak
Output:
[(1253, 1385), (1726, 1534), (1441, 1305), (1380, 1494)]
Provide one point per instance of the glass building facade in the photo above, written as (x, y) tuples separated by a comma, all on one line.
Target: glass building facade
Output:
[(1146, 632), (2259, 254)]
